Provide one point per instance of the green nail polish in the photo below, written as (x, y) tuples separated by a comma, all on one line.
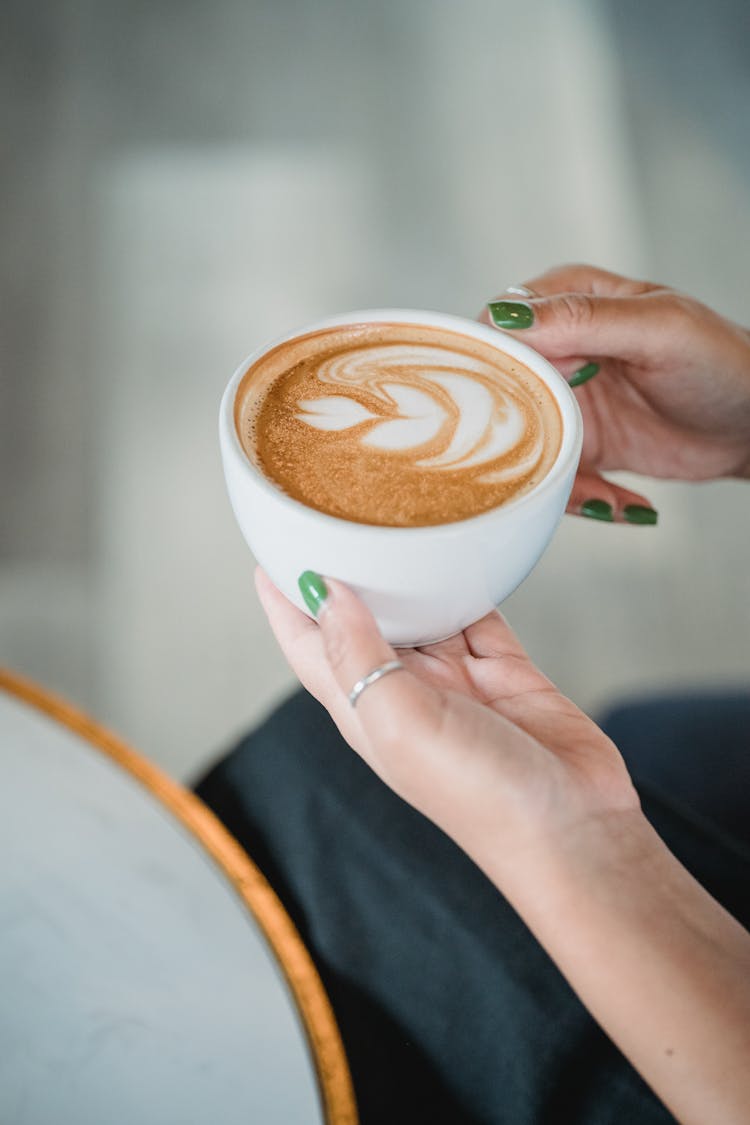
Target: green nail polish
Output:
[(639, 513), (511, 314), (597, 510), (583, 374), (313, 590)]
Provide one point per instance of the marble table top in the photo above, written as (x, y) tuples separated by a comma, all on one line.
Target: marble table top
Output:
[(147, 971)]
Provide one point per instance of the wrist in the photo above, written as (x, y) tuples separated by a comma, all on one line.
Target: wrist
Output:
[(601, 860), (549, 870)]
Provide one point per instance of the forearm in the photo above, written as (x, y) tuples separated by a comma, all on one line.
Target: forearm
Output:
[(662, 967)]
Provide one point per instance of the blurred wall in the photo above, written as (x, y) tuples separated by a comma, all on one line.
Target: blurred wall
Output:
[(182, 181)]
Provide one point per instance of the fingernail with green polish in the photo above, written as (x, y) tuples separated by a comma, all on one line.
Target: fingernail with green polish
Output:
[(583, 374), (511, 314), (639, 513), (313, 590), (597, 510)]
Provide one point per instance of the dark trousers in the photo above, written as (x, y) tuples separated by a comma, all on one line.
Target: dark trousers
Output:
[(449, 1009)]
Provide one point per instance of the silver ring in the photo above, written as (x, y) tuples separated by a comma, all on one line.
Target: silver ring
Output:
[(371, 678), (521, 291)]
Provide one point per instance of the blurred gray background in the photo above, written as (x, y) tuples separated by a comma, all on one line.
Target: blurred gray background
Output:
[(181, 181)]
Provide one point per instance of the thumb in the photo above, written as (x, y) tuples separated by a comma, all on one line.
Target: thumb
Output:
[(580, 324)]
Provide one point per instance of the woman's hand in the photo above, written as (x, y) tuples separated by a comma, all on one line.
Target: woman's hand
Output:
[(472, 735), (470, 732), (671, 396)]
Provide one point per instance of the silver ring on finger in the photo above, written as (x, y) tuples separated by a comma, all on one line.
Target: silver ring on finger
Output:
[(372, 678)]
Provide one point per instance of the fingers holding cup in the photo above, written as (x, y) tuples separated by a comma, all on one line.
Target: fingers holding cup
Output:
[(596, 498), (370, 679), (379, 706)]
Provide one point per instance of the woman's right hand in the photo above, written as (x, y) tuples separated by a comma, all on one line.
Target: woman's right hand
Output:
[(671, 397)]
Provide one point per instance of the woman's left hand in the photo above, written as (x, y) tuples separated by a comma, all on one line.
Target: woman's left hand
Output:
[(476, 738), (470, 732)]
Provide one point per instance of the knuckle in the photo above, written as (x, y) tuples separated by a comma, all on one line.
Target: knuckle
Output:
[(577, 309), (683, 311)]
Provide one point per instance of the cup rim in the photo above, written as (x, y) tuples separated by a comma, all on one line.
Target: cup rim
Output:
[(572, 421)]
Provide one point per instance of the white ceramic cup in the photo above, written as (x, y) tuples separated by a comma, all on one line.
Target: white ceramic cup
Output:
[(421, 583)]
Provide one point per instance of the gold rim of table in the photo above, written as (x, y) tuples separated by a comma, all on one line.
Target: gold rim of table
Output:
[(313, 1005)]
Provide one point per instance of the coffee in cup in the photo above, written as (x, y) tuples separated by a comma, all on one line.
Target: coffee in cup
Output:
[(423, 459), (397, 425)]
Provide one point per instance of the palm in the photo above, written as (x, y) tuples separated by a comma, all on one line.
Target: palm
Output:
[(653, 422), (486, 667), (475, 724), (672, 395)]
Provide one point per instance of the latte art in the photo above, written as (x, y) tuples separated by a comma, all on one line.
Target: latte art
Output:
[(430, 388), (397, 424)]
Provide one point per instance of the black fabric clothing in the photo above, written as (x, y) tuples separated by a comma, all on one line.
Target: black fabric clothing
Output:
[(450, 1010), (692, 749)]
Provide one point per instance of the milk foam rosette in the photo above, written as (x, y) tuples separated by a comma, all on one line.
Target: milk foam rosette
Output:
[(432, 390)]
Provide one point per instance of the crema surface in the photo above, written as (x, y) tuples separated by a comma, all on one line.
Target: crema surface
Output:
[(397, 425)]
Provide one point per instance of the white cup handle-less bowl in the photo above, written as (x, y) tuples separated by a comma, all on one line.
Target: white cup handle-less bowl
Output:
[(421, 583)]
